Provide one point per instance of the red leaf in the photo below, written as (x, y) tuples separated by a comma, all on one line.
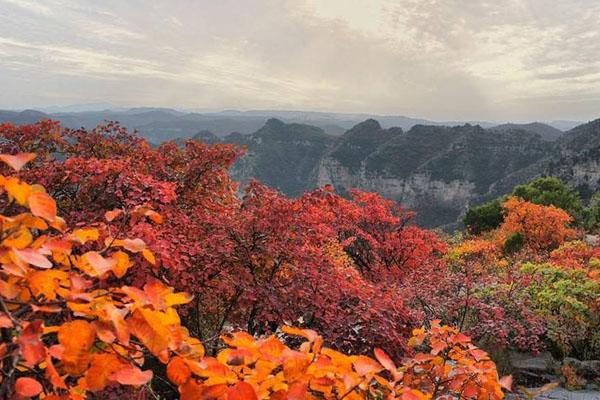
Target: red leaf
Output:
[(30, 344), (27, 387), (384, 360)]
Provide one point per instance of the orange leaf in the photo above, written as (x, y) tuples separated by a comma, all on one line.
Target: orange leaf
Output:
[(478, 354), (305, 333), (133, 245), (178, 371), (27, 387), (297, 391), (117, 319), (84, 235), (241, 391), (111, 215), (46, 309), (17, 161), (32, 257), (18, 190), (77, 338), (365, 365), (42, 205), (5, 321), (100, 264), (149, 256), (52, 374), (102, 367), (132, 376), (460, 338), (386, 361), (123, 263)]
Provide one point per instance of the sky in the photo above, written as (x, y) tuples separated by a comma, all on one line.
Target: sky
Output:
[(498, 60)]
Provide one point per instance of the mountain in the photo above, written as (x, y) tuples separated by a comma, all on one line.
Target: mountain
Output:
[(283, 156), (577, 158), (436, 171), (545, 131), (206, 137), (22, 117)]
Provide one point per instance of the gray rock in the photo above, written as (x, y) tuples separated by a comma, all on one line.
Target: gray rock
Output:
[(564, 394), (544, 362)]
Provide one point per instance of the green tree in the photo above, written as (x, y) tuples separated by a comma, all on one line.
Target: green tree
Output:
[(484, 217), (548, 191), (544, 191)]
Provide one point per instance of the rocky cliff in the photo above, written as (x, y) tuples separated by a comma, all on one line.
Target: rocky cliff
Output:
[(437, 171)]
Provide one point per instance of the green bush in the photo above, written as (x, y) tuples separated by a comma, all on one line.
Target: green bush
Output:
[(567, 299), (514, 243)]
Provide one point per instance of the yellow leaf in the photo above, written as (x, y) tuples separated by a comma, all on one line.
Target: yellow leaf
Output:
[(17, 190), (123, 263), (45, 283), (19, 239), (84, 235), (149, 256)]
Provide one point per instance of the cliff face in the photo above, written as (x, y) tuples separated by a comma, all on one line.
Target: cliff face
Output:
[(281, 155), (576, 160), (437, 171)]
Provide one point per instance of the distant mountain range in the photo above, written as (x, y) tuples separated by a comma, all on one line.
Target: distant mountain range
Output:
[(437, 169), (161, 124)]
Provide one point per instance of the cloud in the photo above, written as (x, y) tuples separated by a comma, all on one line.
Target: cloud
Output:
[(444, 59)]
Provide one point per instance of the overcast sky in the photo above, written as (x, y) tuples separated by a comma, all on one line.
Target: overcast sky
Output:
[(439, 59)]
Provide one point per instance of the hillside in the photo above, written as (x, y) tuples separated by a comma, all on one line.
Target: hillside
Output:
[(281, 155), (545, 131)]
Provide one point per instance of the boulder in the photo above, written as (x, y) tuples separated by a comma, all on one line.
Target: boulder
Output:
[(589, 369)]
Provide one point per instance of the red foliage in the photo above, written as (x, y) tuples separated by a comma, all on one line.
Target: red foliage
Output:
[(327, 262)]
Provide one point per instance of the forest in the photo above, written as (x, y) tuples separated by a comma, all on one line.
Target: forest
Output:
[(138, 271)]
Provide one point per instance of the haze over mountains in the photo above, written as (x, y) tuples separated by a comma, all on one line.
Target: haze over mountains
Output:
[(438, 169), (160, 124)]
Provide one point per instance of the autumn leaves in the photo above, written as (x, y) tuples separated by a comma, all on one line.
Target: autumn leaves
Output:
[(70, 326)]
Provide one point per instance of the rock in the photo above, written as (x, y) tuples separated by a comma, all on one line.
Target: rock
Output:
[(544, 362), (592, 240), (564, 394), (532, 371), (589, 369)]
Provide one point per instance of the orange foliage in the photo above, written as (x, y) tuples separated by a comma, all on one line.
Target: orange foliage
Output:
[(267, 369), (542, 227)]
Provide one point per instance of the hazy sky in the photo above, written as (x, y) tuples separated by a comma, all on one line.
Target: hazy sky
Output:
[(440, 59)]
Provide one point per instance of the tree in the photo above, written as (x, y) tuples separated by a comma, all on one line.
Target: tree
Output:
[(69, 325), (550, 191), (546, 191), (543, 228), (485, 217), (322, 261)]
